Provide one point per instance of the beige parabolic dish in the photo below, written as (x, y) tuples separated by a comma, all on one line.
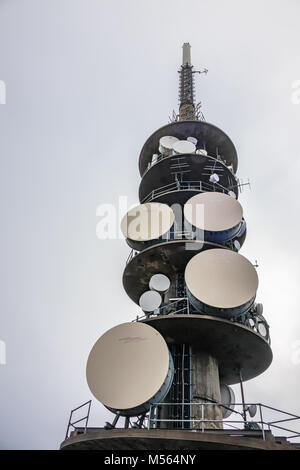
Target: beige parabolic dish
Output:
[(221, 278), (127, 365), (147, 221), (213, 211)]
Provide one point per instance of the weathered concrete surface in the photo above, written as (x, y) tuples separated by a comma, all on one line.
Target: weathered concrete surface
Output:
[(156, 439), (206, 384), (187, 112)]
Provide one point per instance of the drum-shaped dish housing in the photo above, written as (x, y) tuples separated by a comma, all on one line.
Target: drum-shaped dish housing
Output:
[(221, 282), (215, 217), (147, 224), (133, 355)]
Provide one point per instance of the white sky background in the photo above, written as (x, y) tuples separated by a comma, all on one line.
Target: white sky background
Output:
[(87, 83)]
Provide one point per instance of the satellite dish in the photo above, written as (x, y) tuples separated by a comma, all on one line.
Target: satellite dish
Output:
[(147, 222), (130, 368), (262, 330), (227, 399), (214, 178), (166, 144), (232, 194), (154, 158), (184, 146), (237, 244), (159, 283), (259, 309), (150, 301), (252, 410), (193, 140), (201, 152), (221, 279), (214, 212)]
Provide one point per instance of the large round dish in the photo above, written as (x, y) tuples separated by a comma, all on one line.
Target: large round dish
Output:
[(129, 368), (221, 282), (166, 258), (213, 212), (147, 222)]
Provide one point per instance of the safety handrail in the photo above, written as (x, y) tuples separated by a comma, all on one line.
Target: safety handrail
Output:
[(182, 185)]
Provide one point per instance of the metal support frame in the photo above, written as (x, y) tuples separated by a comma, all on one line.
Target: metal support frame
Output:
[(88, 404), (243, 397)]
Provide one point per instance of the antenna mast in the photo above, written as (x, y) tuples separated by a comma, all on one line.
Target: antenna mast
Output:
[(187, 109)]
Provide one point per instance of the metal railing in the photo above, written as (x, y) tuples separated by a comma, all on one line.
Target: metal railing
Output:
[(183, 306), (179, 235), (160, 157), (269, 419), (185, 185), (173, 307), (235, 424), (86, 418)]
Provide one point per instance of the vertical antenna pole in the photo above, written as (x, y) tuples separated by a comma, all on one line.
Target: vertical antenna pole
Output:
[(243, 396), (186, 54), (186, 86)]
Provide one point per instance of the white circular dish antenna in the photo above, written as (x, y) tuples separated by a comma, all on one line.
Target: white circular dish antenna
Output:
[(237, 245), (154, 158), (166, 144), (128, 367), (262, 330), (221, 278), (150, 301), (201, 152), (232, 194), (214, 178), (184, 146), (227, 399), (159, 283), (252, 410), (147, 221), (193, 140), (213, 211)]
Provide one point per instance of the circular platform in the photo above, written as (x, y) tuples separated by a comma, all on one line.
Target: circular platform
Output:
[(176, 440), (209, 137), (194, 168), (165, 258), (234, 345)]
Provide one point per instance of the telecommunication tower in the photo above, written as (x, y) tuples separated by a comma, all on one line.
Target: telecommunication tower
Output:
[(166, 376)]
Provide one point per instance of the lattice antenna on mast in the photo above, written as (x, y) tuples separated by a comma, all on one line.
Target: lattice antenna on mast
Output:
[(188, 111)]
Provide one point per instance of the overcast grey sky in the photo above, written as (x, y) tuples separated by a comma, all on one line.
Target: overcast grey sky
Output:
[(87, 82)]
